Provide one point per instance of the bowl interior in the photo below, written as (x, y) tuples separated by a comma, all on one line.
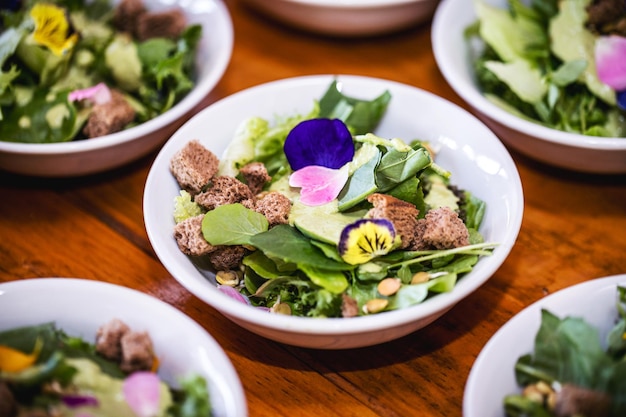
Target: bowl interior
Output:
[(80, 307), (492, 376), (476, 158)]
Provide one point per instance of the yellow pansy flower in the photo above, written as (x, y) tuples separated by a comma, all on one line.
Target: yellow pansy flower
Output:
[(366, 239), (52, 28), (12, 360)]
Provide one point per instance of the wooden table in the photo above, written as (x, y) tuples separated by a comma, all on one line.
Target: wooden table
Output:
[(573, 230)]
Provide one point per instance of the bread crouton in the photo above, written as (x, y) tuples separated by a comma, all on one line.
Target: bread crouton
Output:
[(275, 207), (226, 258), (126, 15), (444, 229), (255, 176), (109, 339), (137, 352), (402, 214), (189, 237), (166, 24), (223, 190), (193, 167), (109, 117)]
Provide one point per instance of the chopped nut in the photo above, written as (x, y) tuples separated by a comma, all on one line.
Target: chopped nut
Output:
[(375, 305), (389, 286), (230, 278), (420, 278), (281, 308)]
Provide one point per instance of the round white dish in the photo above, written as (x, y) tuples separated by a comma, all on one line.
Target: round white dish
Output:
[(477, 160), (84, 157), (80, 307), (564, 150), (493, 375), (348, 17)]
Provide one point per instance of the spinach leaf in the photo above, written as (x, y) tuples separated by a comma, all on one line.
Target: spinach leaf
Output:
[(232, 224), (361, 116), (289, 245)]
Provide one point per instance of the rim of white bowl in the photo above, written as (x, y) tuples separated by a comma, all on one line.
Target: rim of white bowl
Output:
[(444, 27), (357, 4), (341, 326), (193, 98)]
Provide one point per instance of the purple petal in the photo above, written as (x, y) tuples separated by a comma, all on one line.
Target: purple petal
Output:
[(233, 293), (78, 400), (621, 100), (610, 55), (142, 393), (319, 185), (322, 142)]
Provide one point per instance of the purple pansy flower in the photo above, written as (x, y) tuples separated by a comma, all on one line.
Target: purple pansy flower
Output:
[(317, 149), (321, 142), (610, 56)]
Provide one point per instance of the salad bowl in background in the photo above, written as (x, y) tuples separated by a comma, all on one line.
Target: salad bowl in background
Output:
[(79, 307), (477, 159), (577, 152), (95, 155), (348, 17), (492, 376)]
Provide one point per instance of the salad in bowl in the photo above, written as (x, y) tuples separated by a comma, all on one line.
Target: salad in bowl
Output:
[(332, 211), (98, 349), (87, 86), (317, 216), (546, 76)]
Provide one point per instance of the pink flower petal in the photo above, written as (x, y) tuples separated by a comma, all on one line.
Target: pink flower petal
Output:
[(233, 293), (98, 94), (142, 393), (610, 54), (319, 185)]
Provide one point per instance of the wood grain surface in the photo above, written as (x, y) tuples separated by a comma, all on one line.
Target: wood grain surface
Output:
[(573, 230)]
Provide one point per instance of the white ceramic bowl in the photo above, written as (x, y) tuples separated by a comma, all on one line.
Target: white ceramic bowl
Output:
[(111, 151), (80, 307), (348, 17), (493, 375), (477, 160), (564, 150)]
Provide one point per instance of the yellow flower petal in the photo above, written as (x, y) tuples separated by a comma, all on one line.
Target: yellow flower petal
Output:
[(52, 28), (366, 239), (12, 360)]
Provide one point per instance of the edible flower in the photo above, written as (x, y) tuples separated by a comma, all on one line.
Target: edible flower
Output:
[(322, 142), (142, 393), (233, 293), (611, 65), (365, 240), (98, 94), (319, 185), (52, 28), (13, 360), (316, 150), (78, 400)]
